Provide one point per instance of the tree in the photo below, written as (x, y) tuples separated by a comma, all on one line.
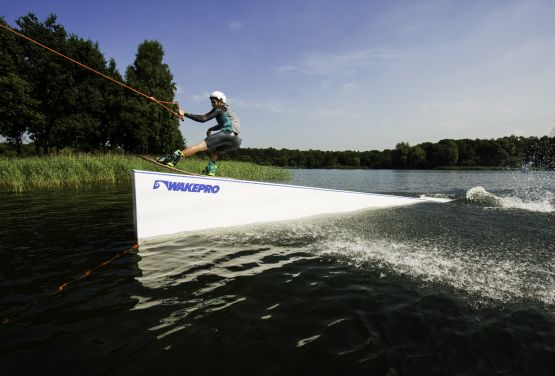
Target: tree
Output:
[(149, 127), (489, 152), (467, 152), (416, 157), (110, 134), (18, 109), (449, 153), (51, 82), (82, 121), (400, 154), (79, 108)]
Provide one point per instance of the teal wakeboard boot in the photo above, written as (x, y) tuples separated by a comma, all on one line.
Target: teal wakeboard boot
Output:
[(211, 169), (171, 159)]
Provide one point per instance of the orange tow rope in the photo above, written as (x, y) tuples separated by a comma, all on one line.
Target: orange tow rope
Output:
[(85, 274), (151, 98)]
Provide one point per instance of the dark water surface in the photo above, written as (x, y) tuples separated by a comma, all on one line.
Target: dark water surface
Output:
[(464, 288)]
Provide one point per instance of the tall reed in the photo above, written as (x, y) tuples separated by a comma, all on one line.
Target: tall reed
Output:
[(27, 174)]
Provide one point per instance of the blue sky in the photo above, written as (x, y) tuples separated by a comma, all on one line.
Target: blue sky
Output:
[(339, 75)]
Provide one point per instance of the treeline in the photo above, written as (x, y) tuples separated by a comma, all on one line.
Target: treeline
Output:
[(55, 104), (503, 152)]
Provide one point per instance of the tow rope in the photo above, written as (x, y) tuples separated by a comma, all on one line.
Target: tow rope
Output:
[(151, 98), (9, 318)]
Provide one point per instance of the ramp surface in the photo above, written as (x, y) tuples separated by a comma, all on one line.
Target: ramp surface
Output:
[(169, 203)]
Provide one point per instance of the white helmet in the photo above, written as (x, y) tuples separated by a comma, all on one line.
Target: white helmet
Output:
[(218, 95)]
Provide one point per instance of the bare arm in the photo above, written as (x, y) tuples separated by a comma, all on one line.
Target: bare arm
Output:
[(201, 118)]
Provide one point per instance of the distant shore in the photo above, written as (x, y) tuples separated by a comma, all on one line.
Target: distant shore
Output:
[(81, 170), (446, 168), (474, 168)]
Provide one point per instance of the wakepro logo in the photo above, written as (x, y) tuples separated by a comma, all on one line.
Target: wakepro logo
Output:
[(187, 187)]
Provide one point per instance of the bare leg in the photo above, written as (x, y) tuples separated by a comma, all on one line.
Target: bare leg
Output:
[(214, 155), (201, 146)]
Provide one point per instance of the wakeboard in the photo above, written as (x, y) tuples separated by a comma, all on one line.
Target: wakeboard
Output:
[(154, 161)]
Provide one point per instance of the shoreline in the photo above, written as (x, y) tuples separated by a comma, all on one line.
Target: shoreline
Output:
[(441, 168)]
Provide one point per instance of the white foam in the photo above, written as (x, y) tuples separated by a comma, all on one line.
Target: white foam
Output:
[(517, 203), (305, 341), (537, 202), (437, 197), (484, 278)]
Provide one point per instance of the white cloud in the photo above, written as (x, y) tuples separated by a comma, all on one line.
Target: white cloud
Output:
[(324, 64), (235, 26)]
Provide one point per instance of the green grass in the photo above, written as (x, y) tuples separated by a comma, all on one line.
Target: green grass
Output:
[(75, 171)]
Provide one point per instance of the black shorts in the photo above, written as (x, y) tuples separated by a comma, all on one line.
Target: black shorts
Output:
[(223, 141)]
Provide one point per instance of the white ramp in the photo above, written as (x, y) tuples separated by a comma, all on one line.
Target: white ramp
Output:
[(166, 204)]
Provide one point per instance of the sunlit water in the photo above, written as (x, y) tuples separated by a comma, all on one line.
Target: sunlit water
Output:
[(464, 288)]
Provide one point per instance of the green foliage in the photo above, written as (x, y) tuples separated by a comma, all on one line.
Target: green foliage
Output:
[(150, 127), (507, 152), (58, 104), (400, 154), (17, 106), (416, 157), (17, 109)]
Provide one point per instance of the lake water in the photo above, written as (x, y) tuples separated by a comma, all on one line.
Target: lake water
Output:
[(463, 288)]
